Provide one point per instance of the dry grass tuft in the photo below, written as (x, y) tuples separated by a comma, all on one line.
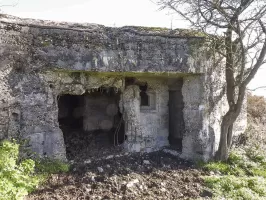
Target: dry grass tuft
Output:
[(256, 108), (255, 135)]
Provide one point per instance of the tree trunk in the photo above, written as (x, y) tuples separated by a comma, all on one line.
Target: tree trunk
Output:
[(222, 153), (229, 118), (226, 135), (230, 136)]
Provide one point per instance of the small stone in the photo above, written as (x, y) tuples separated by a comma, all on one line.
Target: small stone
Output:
[(108, 166), (212, 173), (124, 183), (172, 152), (175, 175), (132, 183), (141, 187), (100, 169), (110, 157), (146, 162), (87, 161), (88, 188)]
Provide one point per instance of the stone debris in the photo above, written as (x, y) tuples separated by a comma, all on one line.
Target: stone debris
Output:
[(93, 178), (87, 161), (110, 157), (146, 162), (127, 178), (100, 169), (172, 152), (132, 183), (71, 162)]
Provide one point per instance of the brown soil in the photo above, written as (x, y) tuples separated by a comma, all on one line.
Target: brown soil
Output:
[(101, 170), (136, 176)]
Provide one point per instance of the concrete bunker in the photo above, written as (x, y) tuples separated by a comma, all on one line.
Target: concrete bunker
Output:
[(182, 104), (91, 122)]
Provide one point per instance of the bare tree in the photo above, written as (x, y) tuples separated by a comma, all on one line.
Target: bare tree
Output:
[(257, 88), (13, 4), (241, 25)]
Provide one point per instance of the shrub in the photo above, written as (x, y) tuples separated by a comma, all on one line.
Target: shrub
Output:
[(256, 107), (20, 176), (17, 179)]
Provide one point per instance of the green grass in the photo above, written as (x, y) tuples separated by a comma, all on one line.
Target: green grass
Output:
[(233, 187), (51, 166), (243, 176)]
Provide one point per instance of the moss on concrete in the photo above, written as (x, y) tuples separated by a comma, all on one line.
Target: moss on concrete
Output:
[(167, 31), (74, 73)]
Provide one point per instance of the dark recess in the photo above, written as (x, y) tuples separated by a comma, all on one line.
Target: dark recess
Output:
[(176, 118)]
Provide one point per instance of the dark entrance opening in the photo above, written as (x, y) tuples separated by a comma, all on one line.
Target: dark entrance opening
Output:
[(176, 119), (92, 123), (144, 98), (70, 116)]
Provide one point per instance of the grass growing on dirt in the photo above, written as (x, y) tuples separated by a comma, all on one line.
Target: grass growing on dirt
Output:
[(51, 166), (243, 176), (21, 176)]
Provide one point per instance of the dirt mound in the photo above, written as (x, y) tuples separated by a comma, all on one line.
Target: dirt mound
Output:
[(136, 176)]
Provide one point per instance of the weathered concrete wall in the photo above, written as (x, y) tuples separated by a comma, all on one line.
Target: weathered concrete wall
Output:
[(38, 107), (205, 105), (147, 128), (155, 120), (9, 108), (192, 92), (130, 107), (42, 45), (99, 112)]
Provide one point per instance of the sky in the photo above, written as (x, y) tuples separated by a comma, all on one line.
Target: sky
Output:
[(109, 13)]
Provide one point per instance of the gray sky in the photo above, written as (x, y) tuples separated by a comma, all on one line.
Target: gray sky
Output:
[(106, 12)]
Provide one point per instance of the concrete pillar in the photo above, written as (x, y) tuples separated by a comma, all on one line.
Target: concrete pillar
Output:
[(130, 102), (193, 111)]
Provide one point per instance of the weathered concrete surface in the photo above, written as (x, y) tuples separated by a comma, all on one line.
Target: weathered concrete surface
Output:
[(130, 106), (99, 112), (41, 60), (154, 120), (205, 105), (43, 45), (147, 128)]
